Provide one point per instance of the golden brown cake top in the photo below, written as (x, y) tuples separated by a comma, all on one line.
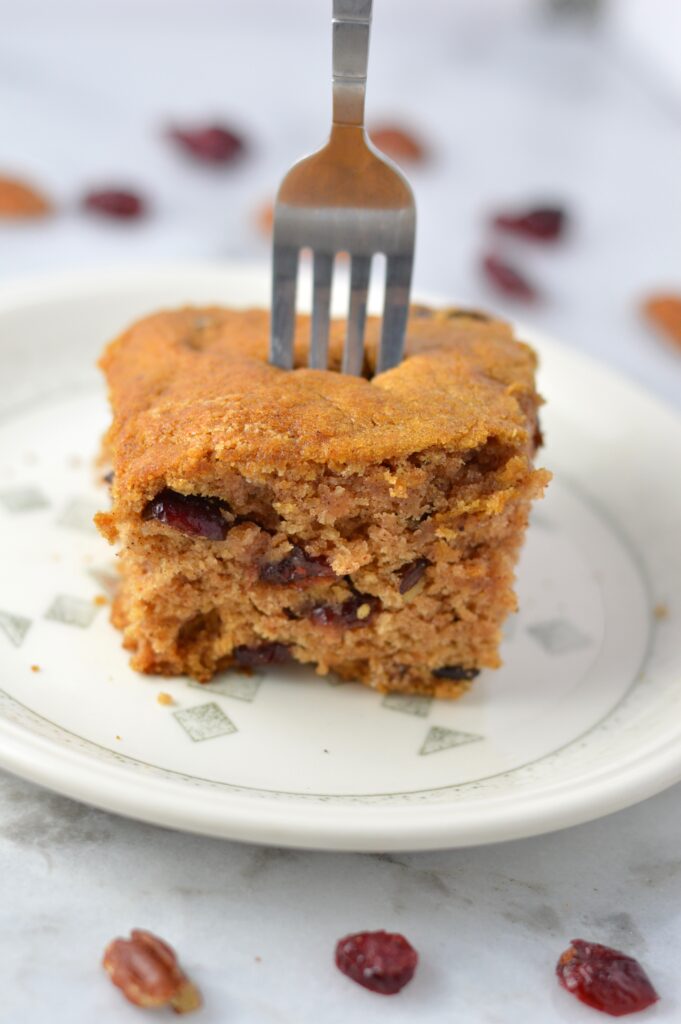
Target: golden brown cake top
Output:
[(193, 387)]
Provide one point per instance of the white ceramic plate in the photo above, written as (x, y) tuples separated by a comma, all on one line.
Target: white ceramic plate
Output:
[(584, 718)]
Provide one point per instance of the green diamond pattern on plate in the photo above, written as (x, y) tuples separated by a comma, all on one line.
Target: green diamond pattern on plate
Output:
[(72, 611), (205, 722), (242, 687), (107, 580), (439, 738), (510, 627), (539, 520), (23, 499), (408, 704), (558, 636), (78, 515), (15, 627)]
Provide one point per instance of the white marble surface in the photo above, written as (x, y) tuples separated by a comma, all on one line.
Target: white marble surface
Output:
[(513, 109), (489, 923)]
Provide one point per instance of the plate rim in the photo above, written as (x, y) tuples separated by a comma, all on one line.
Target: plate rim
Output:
[(353, 827)]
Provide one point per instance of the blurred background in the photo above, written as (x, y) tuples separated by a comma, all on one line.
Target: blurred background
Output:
[(493, 107)]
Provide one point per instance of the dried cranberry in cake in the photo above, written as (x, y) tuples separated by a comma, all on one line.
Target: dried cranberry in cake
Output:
[(605, 978), (541, 223), (296, 567), (212, 144), (507, 279), (381, 961), (191, 514), (456, 672), (357, 611), (264, 654), (411, 573), (118, 203)]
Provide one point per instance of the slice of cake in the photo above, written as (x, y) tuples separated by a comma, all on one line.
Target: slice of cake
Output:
[(367, 526)]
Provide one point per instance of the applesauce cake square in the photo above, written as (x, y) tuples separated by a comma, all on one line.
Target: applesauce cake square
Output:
[(367, 526)]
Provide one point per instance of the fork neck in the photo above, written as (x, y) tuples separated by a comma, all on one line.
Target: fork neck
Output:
[(351, 25)]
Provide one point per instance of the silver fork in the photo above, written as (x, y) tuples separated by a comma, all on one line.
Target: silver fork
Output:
[(344, 198)]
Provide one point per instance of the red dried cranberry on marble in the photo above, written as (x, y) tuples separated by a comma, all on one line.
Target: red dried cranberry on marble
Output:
[(540, 223), (211, 144), (191, 514), (381, 961), (605, 979), (272, 653), (296, 567), (507, 279), (117, 203)]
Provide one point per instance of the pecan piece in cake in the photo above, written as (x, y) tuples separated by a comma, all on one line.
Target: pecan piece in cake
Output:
[(296, 567), (411, 573), (358, 610), (456, 672)]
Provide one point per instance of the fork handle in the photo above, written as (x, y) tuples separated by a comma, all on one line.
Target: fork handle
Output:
[(351, 25)]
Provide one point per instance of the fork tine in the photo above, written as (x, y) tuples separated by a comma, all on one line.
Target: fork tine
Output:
[(321, 301), (353, 353), (284, 279), (395, 311)]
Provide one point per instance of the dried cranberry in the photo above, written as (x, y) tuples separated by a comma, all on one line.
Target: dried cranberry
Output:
[(265, 654), (213, 144), (381, 961), (191, 514), (296, 567), (456, 672), (507, 279), (605, 978), (115, 203), (543, 223), (410, 574), (357, 611)]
